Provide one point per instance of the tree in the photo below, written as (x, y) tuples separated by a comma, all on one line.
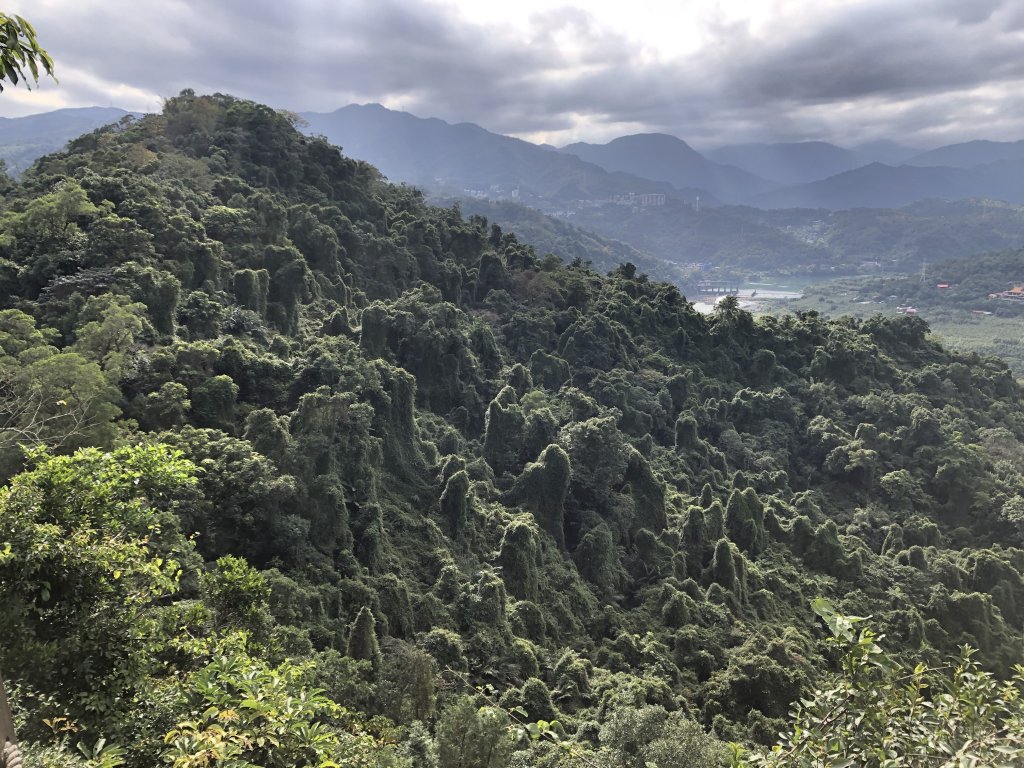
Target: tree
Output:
[(88, 547), (238, 595), (247, 713), (19, 49), (109, 327), (639, 737), (243, 505), (362, 638), (469, 736), (880, 713), (47, 238), (543, 487), (48, 397)]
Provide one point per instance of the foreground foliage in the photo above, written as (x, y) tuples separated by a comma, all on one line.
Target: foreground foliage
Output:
[(20, 51), (881, 714)]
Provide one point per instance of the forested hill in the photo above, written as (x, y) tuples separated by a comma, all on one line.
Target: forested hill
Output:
[(23, 139), (416, 457)]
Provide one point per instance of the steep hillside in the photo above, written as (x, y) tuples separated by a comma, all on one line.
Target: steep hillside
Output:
[(812, 241), (371, 479), (550, 235)]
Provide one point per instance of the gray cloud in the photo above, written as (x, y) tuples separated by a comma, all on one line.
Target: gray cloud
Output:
[(924, 71)]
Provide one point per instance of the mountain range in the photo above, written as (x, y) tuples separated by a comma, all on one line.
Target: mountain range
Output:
[(971, 154), (384, 487), (806, 161), (885, 186), (667, 158), (464, 159), (788, 190)]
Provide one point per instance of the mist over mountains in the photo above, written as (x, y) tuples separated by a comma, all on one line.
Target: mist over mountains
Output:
[(884, 186), (803, 162), (971, 154)]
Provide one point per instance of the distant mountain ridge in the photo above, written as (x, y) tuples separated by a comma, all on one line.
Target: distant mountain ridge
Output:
[(885, 151), (453, 158), (662, 157), (884, 186), (466, 160), (971, 154), (802, 162), (23, 139), (549, 234), (790, 163), (463, 157)]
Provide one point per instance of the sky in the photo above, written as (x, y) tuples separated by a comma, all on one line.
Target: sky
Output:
[(713, 72)]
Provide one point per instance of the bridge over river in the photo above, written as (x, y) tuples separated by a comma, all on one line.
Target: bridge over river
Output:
[(718, 287)]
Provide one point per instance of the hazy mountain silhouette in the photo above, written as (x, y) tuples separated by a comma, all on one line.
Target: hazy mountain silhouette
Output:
[(884, 151), (453, 158), (790, 163), (23, 139), (971, 154), (884, 186), (667, 158)]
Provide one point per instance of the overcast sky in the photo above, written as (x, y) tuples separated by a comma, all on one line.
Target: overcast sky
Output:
[(921, 72)]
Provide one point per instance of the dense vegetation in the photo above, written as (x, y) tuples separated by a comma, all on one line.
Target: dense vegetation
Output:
[(548, 234), (961, 315), (319, 474), (23, 140)]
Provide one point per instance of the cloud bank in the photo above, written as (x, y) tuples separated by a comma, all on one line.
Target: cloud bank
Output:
[(923, 72)]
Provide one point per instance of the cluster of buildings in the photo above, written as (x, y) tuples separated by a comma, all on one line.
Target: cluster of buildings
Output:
[(1014, 294), (494, 192), (643, 200)]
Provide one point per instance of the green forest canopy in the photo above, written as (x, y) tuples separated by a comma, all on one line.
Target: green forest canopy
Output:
[(300, 443)]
